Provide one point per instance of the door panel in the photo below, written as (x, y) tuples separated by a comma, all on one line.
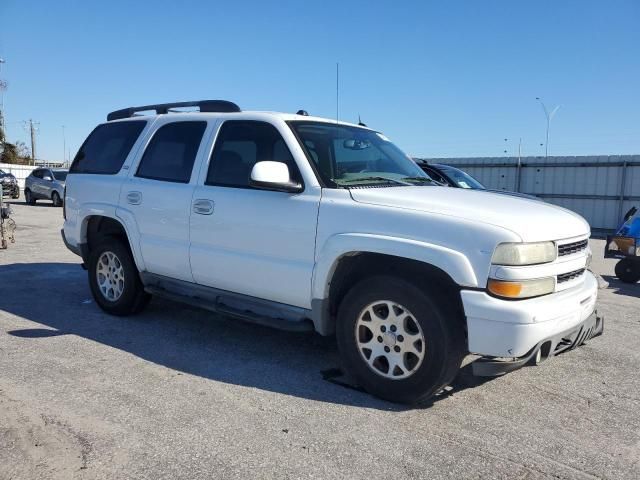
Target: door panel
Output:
[(161, 210), (256, 242), (159, 196), (247, 240)]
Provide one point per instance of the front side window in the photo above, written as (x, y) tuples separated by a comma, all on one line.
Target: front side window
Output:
[(239, 146), (106, 148), (347, 156), (172, 151)]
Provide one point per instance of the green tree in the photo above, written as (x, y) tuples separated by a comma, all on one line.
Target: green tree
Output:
[(9, 153)]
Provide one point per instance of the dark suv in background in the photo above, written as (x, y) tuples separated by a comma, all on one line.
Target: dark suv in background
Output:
[(454, 177), (9, 184)]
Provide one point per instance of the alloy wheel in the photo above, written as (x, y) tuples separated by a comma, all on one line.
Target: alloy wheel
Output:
[(390, 339), (110, 276)]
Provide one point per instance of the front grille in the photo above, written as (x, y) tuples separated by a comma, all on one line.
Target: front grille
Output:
[(565, 277), (574, 247)]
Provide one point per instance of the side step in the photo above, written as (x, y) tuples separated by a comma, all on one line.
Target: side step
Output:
[(249, 310)]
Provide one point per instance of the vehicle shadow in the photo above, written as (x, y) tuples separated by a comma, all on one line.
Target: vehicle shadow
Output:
[(188, 340), (620, 288)]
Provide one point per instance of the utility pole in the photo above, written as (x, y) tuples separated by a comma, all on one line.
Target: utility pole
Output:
[(3, 87), (32, 127), (549, 118), (33, 142)]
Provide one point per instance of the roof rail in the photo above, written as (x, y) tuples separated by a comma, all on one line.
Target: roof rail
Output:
[(161, 108)]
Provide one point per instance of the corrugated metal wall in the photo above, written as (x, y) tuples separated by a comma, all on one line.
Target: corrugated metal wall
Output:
[(600, 188)]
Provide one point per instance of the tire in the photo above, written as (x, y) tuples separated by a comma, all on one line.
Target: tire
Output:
[(429, 325), (628, 270), (126, 295), (28, 198), (16, 194), (55, 198)]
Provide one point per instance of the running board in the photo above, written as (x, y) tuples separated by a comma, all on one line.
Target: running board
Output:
[(249, 309)]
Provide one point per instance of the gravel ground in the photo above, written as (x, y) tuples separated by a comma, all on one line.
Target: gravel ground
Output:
[(179, 393)]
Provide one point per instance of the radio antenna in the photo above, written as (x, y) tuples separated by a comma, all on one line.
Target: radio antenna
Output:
[(337, 89)]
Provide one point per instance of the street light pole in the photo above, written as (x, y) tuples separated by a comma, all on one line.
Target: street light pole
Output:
[(64, 148), (549, 117)]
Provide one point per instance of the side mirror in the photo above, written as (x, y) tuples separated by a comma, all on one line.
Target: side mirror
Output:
[(47, 178), (273, 176)]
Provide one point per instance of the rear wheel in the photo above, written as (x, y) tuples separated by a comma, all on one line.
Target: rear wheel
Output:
[(628, 270), (398, 342), (29, 198), (114, 279), (55, 198)]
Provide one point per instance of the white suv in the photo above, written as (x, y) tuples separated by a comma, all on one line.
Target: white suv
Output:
[(306, 223)]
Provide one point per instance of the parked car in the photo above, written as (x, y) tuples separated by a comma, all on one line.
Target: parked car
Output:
[(454, 177), (9, 184), (625, 245), (45, 184), (306, 223)]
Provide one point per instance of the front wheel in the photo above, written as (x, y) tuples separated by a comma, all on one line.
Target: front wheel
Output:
[(29, 198), (16, 194), (114, 279), (398, 342), (55, 198), (628, 270)]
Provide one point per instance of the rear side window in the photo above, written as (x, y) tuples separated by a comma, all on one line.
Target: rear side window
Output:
[(172, 151), (106, 148)]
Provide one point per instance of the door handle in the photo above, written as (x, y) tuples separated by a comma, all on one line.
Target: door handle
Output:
[(203, 206), (134, 198)]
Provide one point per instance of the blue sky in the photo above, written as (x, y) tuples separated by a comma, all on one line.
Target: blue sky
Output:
[(446, 78)]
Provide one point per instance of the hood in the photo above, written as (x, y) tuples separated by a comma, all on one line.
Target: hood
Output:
[(514, 194), (532, 220)]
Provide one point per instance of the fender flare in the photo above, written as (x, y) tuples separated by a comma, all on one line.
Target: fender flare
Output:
[(123, 217), (454, 263)]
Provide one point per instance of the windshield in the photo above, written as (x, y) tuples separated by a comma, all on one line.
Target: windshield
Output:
[(346, 156), (462, 179), (60, 176)]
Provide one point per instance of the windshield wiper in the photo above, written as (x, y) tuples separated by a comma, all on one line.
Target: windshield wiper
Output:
[(385, 179), (422, 179)]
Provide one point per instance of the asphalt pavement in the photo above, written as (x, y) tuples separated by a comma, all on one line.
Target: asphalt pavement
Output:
[(180, 393)]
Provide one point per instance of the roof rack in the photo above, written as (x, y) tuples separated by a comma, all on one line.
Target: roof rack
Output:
[(223, 106)]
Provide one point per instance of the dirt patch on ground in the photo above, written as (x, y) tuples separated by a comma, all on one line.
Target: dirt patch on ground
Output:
[(38, 447)]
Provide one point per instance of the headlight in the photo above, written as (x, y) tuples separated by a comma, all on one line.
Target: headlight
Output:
[(524, 253), (522, 289)]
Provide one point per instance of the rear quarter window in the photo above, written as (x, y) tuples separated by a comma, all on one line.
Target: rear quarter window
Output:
[(106, 148)]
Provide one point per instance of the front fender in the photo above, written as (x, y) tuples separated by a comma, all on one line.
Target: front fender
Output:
[(454, 263)]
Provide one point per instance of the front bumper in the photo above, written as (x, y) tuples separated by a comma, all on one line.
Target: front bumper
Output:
[(592, 326), (11, 189), (503, 328)]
